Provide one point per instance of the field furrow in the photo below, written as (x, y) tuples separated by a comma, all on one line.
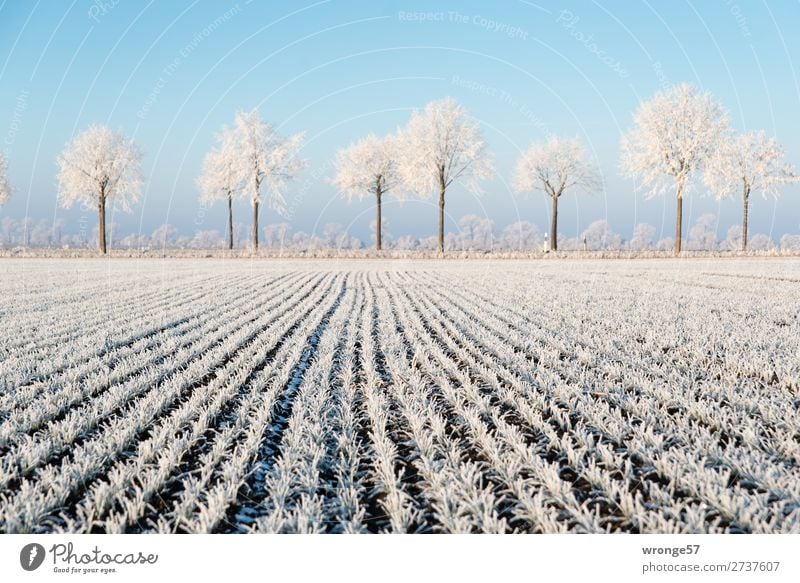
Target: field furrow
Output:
[(416, 397)]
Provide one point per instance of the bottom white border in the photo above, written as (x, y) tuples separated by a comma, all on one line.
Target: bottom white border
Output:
[(331, 558)]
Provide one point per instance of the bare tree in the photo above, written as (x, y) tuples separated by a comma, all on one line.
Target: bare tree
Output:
[(219, 179), (5, 188), (439, 146), (553, 167), (262, 155), (100, 166), (749, 162), (368, 166), (674, 134)]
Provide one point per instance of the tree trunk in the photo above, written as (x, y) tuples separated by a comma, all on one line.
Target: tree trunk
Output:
[(678, 221), (441, 219), (554, 225), (255, 225), (101, 209), (230, 221), (378, 225), (744, 217)]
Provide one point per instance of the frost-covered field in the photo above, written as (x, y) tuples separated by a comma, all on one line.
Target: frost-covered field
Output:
[(413, 396)]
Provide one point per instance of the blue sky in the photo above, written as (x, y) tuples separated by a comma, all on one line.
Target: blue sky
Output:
[(170, 74)]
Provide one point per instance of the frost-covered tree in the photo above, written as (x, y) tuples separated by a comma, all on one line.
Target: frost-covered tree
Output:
[(600, 235), (762, 242), (569, 243), (5, 188), (164, 236), (276, 235), (135, 241), (24, 230), (733, 240), (209, 239), (301, 240), (475, 233), (42, 234), (665, 244), (674, 134), (703, 235), (8, 228), (331, 233), (219, 179), (240, 232), (405, 242), (334, 236), (790, 242), (368, 167), (643, 236), (554, 166), (100, 166), (429, 243), (262, 156), (51, 233), (439, 146), (521, 236), (747, 163)]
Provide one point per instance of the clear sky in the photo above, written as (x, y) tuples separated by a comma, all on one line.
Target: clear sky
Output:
[(170, 74)]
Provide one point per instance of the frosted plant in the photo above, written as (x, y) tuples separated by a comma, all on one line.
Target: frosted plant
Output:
[(368, 167), (553, 167), (219, 179), (100, 166), (365, 398), (747, 163), (263, 156), (5, 188), (439, 146), (674, 134)]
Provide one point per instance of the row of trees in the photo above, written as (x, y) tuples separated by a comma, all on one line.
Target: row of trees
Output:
[(249, 155), (474, 234), (439, 146), (679, 135)]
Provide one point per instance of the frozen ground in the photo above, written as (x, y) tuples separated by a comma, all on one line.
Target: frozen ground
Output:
[(406, 395)]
